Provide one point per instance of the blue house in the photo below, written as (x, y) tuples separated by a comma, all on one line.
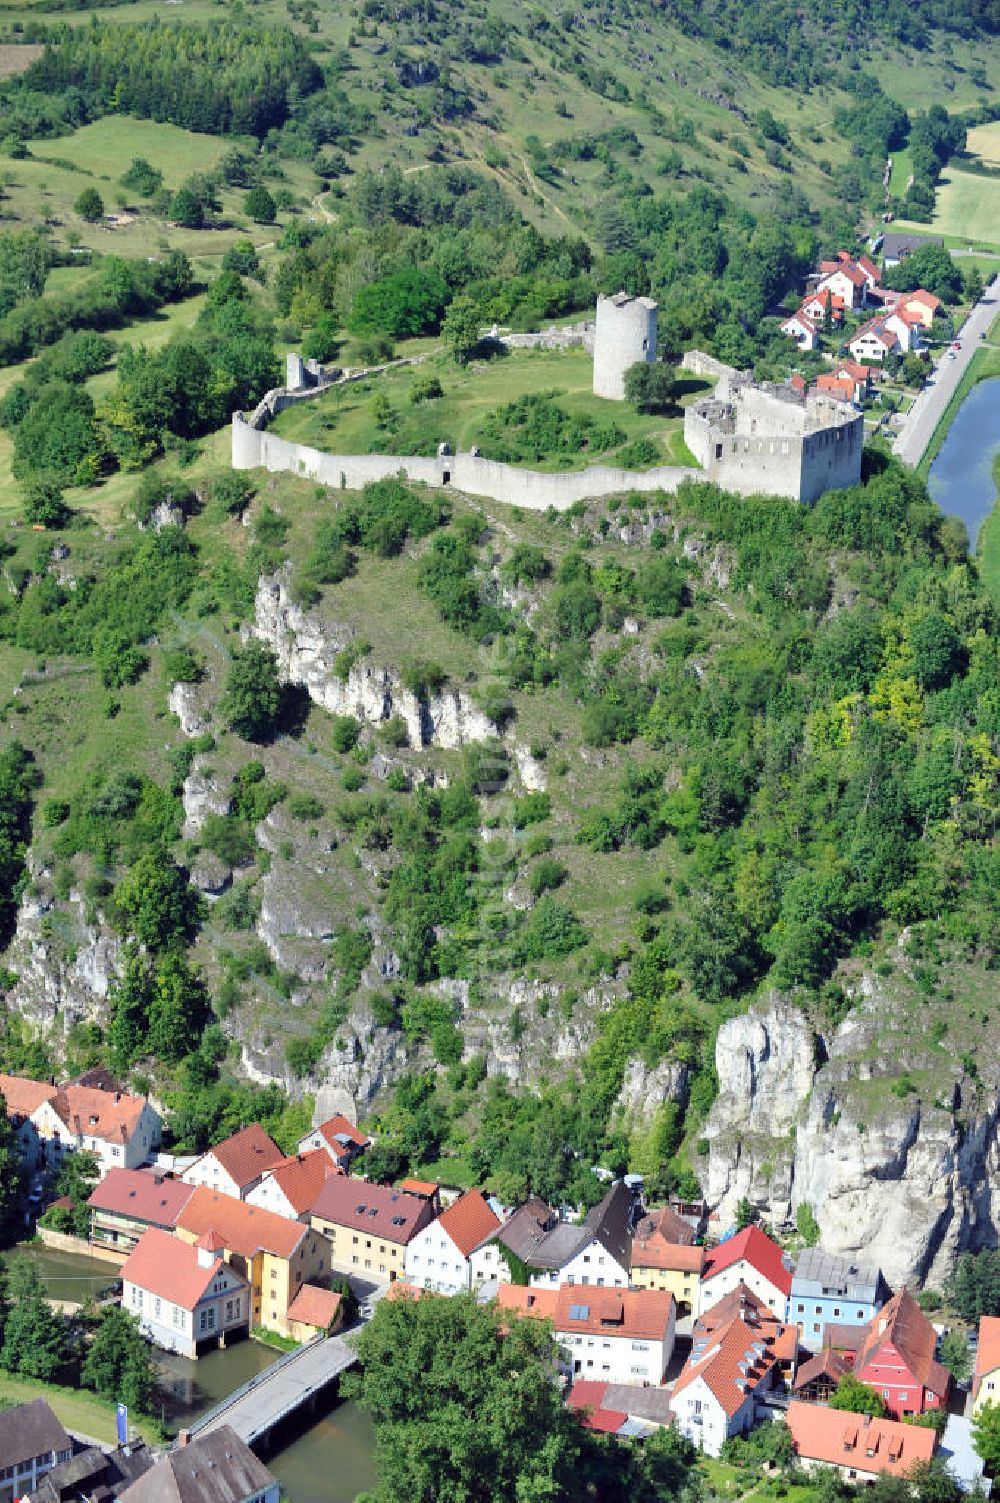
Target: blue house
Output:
[(827, 1290)]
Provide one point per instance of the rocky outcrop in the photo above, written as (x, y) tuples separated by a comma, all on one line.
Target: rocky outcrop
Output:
[(186, 703), (201, 796), (800, 1118), (307, 649), (64, 960)]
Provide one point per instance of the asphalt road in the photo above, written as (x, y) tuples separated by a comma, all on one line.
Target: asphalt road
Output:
[(923, 417)]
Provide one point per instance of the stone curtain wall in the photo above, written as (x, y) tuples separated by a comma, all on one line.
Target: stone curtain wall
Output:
[(254, 447)]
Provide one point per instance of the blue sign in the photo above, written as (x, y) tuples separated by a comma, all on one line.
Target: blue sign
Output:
[(122, 1418)]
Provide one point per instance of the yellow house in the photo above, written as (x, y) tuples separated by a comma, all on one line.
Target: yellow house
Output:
[(664, 1257), (275, 1255), (369, 1226), (986, 1379)]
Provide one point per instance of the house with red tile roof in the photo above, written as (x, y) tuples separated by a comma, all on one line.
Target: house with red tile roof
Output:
[(291, 1187), (23, 1098), (121, 1130), (845, 278), (369, 1226), (604, 1406), (752, 1258), (780, 1336), (127, 1201), (610, 1335), (823, 304), (339, 1137), (586, 1398), (313, 1312), (185, 1296), (986, 1376), (818, 1378), (665, 1256), (908, 324), (840, 387), (858, 1446), (894, 1354), (860, 377), (803, 328), (922, 303), (727, 1374), (441, 1255), (237, 1164), (275, 1255)]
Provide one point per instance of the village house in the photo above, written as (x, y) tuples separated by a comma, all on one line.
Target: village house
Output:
[(829, 1289), (848, 279), (898, 244), (620, 1408), (716, 1396), (185, 1297), (237, 1164), (749, 1257), (93, 1475), (858, 1446), (923, 304), (276, 1256), (874, 341), (894, 1354), (665, 1256), (369, 1227), (614, 1335), (986, 1377), (291, 1188), (315, 1312), (120, 1130), (23, 1098), (803, 329), (840, 387), (32, 1442), (339, 1138), (819, 1377), (908, 325), (822, 305), (217, 1467), (440, 1256), (127, 1201), (859, 376), (597, 1252), (781, 1337)]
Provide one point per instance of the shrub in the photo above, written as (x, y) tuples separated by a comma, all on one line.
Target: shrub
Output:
[(304, 806), (547, 876), (259, 205), (346, 731), (90, 205), (228, 838), (251, 699), (552, 931)]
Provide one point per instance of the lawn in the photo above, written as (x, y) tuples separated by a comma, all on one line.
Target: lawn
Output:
[(345, 420), (106, 148), (984, 142), (81, 1413), (967, 207)]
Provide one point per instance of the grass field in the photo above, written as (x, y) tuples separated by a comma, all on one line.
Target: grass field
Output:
[(967, 210), (984, 142), (17, 59), (78, 1411), (344, 420), (106, 148)]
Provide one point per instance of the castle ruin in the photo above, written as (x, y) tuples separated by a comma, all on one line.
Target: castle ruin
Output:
[(625, 335), (775, 440)]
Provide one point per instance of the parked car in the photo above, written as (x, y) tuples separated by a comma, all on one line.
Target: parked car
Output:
[(952, 355)]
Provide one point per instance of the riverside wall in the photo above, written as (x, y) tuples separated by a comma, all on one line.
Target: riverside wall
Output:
[(255, 448)]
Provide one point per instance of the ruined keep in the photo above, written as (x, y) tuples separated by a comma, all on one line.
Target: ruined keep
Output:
[(775, 440), (625, 335)]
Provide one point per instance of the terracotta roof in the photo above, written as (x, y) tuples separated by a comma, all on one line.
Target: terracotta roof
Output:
[(469, 1221), (642, 1314), (851, 270), (400, 1289), (741, 1303), (987, 1351), (302, 1177), (540, 1303), (733, 1362), (314, 1306), (587, 1400), (244, 1228), (902, 1323), (869, 268), (337, 1128), (24, 1096), (672, 1256), (827, 1363), (921, 295), (852, 368), (423, 1187), (141, 1196), (211, 1242), (841, 387), (757, 1249), (88, 1111), (361, 1206), (840, 1438), (247, 1155), (167, 1266), (908, 316)]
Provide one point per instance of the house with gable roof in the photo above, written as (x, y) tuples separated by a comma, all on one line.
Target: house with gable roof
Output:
[(32, 1442), (185, 1296), (291, 1187), (727, 1374), (894, 1354), (752, 1258), (369, 1227), (858, 1446), (665, 1256), (237, 1164), (874, 340), (121, 1130), (986, 1376), (127, 1201), (596, 1251), (339, 1137), (847, 279), (441, 1255), (803, 329), (610, 1335), (23, 1098), (826, 1289)]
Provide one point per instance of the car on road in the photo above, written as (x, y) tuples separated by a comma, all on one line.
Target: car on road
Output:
[(956, 344), (952, 355)]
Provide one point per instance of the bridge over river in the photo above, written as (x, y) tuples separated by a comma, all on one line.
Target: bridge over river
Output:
[(292, 1383)]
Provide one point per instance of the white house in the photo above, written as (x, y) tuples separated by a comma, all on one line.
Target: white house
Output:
[(874, 340), (802, 329), (607, 1335), (184, 1295), (598, 1251), (339, 1138), (440, 1256), (908, 326), (121, 1130), (23, 1098), (291, 1188), (716, 1395), (749, 1258), (238, 1164)]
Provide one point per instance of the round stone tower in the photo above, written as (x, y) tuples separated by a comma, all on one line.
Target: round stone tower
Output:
[(625, 335)]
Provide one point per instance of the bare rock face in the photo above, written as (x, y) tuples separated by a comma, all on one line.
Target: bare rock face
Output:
[(294, 922), (646, 1088), (210, 875), (186, 703), (307, 648), (202, 795), (65, 965)]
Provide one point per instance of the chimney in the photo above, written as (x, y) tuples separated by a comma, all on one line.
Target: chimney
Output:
[(183, 1436)]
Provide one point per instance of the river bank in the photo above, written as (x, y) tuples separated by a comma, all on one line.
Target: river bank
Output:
[(961, 477), (989, 539)]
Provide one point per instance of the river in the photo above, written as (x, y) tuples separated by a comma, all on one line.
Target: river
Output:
[(961, 476), (330, 1461)]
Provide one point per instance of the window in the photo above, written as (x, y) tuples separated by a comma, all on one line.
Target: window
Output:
[(274, 1274), (157, 1305)]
